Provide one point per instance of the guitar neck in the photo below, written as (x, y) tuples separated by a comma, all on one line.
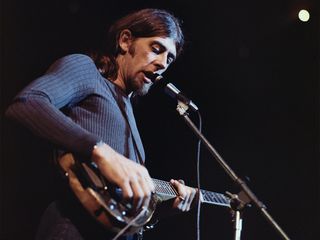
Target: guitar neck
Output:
[(166, 191)]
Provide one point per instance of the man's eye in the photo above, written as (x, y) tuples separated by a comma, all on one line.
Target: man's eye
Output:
[(170, 60), (156, 49)]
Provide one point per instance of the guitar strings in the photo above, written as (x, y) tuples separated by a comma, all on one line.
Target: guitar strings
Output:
[(123, 230)]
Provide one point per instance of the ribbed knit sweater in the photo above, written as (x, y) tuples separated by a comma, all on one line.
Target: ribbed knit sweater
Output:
[(73, 106)]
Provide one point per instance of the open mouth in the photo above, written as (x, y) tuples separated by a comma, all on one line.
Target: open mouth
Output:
[(152, 77)]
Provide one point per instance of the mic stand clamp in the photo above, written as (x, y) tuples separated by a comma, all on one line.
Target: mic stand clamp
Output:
[(182, 108)]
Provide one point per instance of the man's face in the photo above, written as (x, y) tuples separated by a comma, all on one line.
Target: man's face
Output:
[(145, 56)]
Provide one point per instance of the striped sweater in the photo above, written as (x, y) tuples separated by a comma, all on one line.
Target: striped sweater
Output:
[(74, 107)]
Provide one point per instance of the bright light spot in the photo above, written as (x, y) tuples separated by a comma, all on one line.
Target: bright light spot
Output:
[(304, 15)]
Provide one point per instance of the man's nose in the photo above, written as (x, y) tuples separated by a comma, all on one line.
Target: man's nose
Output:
[(161, 62)]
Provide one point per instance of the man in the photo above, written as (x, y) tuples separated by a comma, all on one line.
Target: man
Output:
[(82, 105)]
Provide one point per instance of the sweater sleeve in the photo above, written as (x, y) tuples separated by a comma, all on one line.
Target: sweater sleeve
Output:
[(38, 106)]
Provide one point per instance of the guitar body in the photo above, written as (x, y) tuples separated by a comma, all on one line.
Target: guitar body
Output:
[(99, 202), (104, 201)]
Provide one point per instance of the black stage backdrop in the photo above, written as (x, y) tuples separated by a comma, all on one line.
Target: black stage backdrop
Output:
[(252, 68)]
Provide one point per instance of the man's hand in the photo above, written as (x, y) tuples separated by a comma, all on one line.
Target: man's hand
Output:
[(132, 178), (186, 195)]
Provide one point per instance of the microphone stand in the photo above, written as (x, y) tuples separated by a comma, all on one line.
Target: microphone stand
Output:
[(238, 201)]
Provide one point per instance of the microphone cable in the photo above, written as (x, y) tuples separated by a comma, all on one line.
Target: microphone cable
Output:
[(198, 178)]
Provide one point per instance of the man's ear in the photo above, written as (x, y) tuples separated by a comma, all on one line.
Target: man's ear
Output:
[(125, 41)]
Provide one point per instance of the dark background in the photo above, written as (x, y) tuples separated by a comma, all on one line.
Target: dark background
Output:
[(251, 67)]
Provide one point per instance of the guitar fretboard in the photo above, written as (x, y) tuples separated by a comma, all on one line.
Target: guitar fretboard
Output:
[(165, 188)]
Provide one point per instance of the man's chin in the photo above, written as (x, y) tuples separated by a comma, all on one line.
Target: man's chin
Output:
[(144, 89)]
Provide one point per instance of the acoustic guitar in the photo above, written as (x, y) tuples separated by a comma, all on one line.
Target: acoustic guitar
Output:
[(103, 200)]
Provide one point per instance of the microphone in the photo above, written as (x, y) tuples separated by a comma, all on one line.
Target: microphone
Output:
[(174, 92)]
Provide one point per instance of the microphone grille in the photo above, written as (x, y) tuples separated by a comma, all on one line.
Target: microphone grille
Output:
[(158, 77)]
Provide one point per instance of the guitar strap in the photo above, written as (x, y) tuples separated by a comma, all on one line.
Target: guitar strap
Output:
[(135, 145), (122, 106)]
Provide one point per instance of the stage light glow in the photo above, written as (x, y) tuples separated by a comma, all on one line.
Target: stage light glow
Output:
[(304, 15)]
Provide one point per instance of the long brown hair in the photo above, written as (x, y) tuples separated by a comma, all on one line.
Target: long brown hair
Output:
[(143, 23)]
